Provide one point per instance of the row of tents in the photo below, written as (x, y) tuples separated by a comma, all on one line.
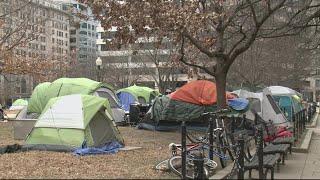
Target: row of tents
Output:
[(274, 103), (72, 111)]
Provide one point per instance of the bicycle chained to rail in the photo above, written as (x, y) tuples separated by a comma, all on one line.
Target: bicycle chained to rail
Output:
[(215, 141)]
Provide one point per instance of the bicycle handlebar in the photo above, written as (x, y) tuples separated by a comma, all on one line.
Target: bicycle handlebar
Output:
[(220, 111)]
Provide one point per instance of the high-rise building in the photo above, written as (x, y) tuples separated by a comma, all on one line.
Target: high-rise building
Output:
[(141, 63), (48, 26), (82, 37)]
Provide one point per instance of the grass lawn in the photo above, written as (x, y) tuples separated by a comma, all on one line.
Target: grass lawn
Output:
[(125, 164)]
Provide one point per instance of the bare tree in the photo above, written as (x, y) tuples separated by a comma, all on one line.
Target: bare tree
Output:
[(221, 30), (265, 64)]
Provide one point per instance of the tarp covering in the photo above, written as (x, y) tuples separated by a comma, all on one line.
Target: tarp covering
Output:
[(110, 148), (126, 99), (61, 87), (166, 109), (71, 120), (238, 104), (200, 92)]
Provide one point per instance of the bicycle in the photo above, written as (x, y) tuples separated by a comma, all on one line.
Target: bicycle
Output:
[(219, 135), (175, 162)]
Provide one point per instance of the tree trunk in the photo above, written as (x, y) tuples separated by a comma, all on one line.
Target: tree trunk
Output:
[(221, 80)]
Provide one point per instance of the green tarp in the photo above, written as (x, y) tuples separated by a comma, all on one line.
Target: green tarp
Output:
[(61, 87), (166, 109)]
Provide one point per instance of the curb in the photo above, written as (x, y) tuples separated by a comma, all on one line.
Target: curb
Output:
[(314, 121), (305, 145)]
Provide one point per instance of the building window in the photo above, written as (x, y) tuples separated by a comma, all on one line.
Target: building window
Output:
[(73, 40), (23, 86), (83, 32), (43, 39), (317, 82), (84, 25)]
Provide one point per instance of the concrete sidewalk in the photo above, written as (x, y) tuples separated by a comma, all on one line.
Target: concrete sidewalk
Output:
[(303, 165)]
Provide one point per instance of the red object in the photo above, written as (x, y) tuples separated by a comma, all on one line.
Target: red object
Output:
[(281, 129), (285, 134), (199, 92)]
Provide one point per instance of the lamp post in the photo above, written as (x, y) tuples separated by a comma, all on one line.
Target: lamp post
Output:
[(98, 64)]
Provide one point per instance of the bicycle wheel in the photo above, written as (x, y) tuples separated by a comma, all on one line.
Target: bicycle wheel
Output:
[(175, 165), (163, 165)]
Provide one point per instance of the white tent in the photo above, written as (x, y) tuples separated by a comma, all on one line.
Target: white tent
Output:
[(264, 105), (280, 90)]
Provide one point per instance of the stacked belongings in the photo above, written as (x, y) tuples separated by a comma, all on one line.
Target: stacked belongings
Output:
[(17, 106), (188, 103)]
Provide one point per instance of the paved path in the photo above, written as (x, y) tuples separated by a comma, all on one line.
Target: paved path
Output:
[(302, 165)]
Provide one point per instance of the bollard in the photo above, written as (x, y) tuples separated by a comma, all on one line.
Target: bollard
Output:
[(244, 122), (211, 138), (198, 165), (294, 126), (183, 149), (233, 123), (260, 152), (309, 114), (255, 119), (304, 119), (241, 157)]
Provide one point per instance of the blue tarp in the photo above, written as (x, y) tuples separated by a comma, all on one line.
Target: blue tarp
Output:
[(238, 104), (110, 148), (126, 99)]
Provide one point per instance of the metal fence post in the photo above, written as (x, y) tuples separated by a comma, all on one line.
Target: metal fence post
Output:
[(198, 165), (241, 157), (244, 121), (260, 152), (183, 149), (294, 126), (211, 138), (304, 118)]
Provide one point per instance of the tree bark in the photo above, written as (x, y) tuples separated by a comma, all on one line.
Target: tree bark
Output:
[(221, 81)]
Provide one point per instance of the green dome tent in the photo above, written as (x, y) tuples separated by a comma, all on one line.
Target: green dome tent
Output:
[(61, 87), (20, 102), (37, 100), (129, 95), (67, 86), (69, 121)]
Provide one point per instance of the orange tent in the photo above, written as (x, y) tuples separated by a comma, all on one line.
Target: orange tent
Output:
[(199, 92)]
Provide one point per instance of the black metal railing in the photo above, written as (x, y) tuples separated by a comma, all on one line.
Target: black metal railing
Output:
[(299, 123)]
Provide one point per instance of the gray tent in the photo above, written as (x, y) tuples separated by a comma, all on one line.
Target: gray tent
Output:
[(264, 105)]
